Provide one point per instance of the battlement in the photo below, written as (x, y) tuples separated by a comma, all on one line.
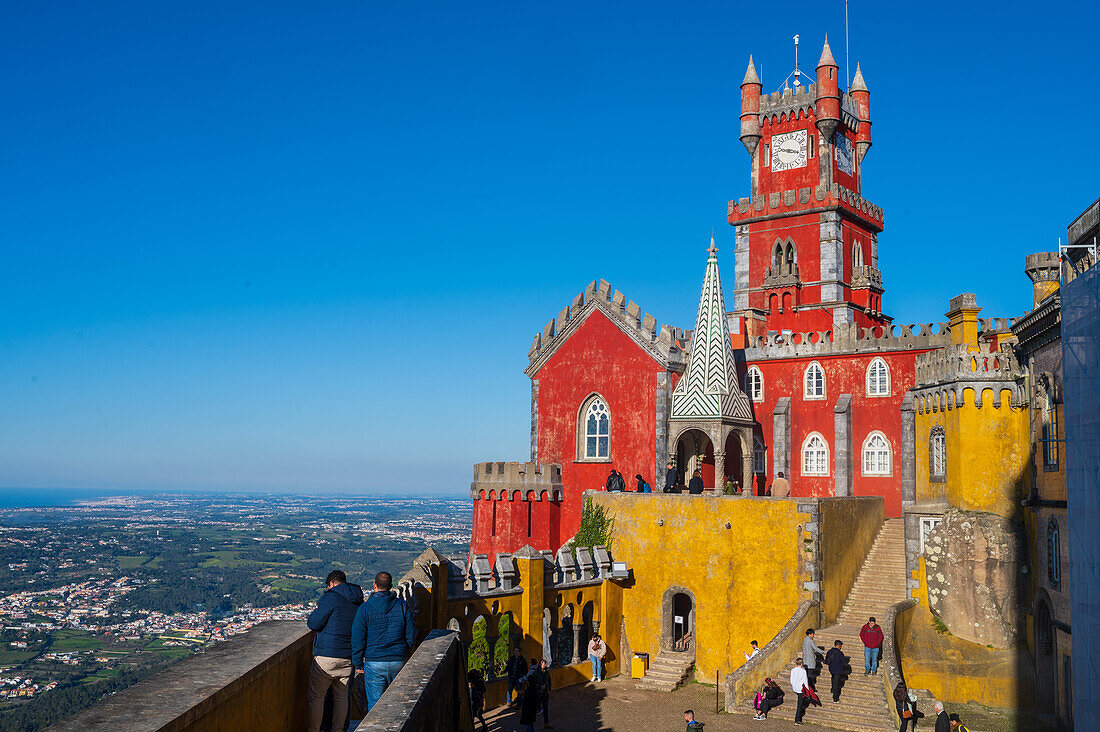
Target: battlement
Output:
[(865, 276), (847, 339), (805, 200), (659, 341), (788, 104), (516, 481), (943, 376), (1042, 266)]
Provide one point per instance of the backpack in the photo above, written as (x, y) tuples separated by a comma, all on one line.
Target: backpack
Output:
[(646, 488)]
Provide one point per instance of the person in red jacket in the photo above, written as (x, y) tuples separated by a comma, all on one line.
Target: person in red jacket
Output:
[(871, 635)]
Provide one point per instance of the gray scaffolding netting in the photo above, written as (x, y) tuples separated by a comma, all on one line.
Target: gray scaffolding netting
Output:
[(1081, 385)]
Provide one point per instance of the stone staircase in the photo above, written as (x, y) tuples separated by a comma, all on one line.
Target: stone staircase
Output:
[(668, 671), (863, 704)]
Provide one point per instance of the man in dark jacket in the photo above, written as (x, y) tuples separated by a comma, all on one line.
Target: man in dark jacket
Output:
[(382, 637), (943, 720), (332, 668), (838, 667), (615, 481), (517, 670), (671, 476), (695, 485)]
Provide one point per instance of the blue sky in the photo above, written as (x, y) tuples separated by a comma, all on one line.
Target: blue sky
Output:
[(305, 246)]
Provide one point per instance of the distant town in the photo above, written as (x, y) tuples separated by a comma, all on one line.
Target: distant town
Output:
[(97, 595)]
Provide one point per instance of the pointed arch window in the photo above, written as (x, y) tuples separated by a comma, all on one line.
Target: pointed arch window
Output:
[(937, 455), (815, 455), (878, 378), (759, 456), (876, 454), (1054, 554), (595, 429), (754, 384), (813, 382), (857, 255)]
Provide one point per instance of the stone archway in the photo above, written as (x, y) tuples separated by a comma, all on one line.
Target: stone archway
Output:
[(695, 451), (678, 613), (1046, 671)]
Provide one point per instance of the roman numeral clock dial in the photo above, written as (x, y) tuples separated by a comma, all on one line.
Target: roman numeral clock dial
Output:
[(788, 150)]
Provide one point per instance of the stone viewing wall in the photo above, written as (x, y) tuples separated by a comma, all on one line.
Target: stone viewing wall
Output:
[(428, 694), (257, 680), (848, 527)]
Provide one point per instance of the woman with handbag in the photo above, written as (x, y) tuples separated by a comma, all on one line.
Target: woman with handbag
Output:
[(907, 707)]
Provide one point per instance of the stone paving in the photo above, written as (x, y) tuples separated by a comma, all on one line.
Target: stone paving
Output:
[(620, 704)]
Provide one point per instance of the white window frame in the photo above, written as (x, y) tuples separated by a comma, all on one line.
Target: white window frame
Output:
[(807, 393), (937, 447), (886, 447), (872, 390), (927, 523), (754, 384), (594, 403), (824, 448)]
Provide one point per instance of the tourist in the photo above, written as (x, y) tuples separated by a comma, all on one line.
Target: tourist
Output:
[(769, 697), (671, 477), (331, 668), (943, 721), (615, 481), (541, 679), (755, 650), (810, 652), (956, 724), (907, 710), (597, 649), (528, 704), (730, 487), (871, 635), (689, 717), (642, 486), (382, 637), (838, 668), (477, 696), (695, 485), (800, 685), (781, 488), (517, 670)]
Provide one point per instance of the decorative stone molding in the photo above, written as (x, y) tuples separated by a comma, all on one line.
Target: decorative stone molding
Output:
[(517, 482)]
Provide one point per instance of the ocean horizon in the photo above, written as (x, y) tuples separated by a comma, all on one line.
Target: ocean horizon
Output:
[(48, 497)]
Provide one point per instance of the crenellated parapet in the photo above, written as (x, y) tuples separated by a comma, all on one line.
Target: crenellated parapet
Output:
[(866, 276), (516, 481), (945, 375), (660, 341), (848, 339), (805, 200), (581, 567)]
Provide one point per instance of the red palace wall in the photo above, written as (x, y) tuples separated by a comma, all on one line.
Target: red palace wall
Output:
[(598, 358), (504, 523), (845, 374)]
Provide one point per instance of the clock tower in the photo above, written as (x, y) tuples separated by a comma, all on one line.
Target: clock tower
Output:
[(806, 239)]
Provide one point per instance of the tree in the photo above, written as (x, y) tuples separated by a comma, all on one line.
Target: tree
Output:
[(596, 527), (503, 650), (478, 656)]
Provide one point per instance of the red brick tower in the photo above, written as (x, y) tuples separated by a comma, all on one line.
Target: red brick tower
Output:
[(806, 246)]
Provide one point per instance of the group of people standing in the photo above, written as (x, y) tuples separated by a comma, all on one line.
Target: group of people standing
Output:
[(359, 645), (780, 487)]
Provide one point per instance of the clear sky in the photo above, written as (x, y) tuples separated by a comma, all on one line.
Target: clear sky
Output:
[(305, 246)]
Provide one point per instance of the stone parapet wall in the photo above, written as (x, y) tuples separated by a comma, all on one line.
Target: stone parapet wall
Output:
[(251, 681), (774, 657), (516, 481), (847, 339), (848, 528), (805, 200)]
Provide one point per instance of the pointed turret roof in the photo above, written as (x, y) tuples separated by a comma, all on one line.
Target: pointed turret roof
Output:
[(750, 74), (708, 389), (858, 84), (826, 55)]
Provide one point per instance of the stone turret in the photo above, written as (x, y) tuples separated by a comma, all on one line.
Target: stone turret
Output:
[(1042, 269), (828, 93), (751, 88), (862, 97)]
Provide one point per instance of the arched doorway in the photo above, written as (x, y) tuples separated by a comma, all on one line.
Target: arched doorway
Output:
[(1046, 672), (678, 620), (695, 451), (734, 466)]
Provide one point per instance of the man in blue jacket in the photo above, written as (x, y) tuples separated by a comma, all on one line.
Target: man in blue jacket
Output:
[(332, 668), (382, 637)]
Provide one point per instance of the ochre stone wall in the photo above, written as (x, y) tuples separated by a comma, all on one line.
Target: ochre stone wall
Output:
[(741, 559), (955, 670), (987, 455), (848, 529)]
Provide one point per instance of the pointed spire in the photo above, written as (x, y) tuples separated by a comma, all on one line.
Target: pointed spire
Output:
[(750, 74), (826, 55), (713, 249), (858, 84)]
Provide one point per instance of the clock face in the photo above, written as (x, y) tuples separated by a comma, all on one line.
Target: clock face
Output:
[(788, 150), (845, 161)]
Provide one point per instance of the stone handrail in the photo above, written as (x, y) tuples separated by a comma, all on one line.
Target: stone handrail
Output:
[(776, 654), (890, 663), (429, 693)]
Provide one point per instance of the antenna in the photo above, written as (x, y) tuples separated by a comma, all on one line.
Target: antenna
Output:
[(847, 72), (797, 73)]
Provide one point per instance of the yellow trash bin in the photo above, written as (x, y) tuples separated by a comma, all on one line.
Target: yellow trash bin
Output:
[(639, 664)]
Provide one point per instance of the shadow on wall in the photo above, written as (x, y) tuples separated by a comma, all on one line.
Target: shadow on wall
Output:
[(579, 713)]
